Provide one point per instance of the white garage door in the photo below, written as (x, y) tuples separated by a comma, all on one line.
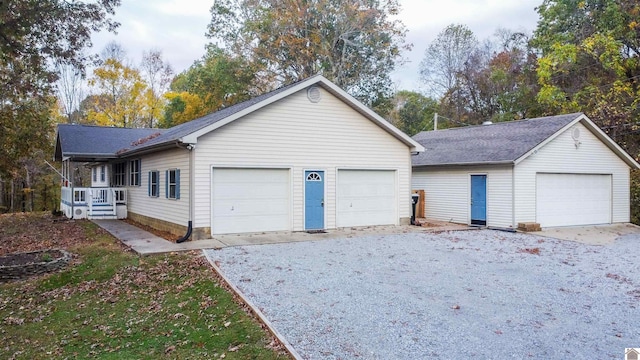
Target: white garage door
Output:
[(250, 200), (366, 197), (573, 199)]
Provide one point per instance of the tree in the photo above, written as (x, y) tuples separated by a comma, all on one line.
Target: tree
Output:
[(446, 57), (34, 35), (218, 80), (123, 89), (157, 74), (413, 112), (591, 62), (353, 43), (498, 81), (182, 107), (70, 90)]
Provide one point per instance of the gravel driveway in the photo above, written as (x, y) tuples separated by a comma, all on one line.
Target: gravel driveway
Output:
[(483, 293)]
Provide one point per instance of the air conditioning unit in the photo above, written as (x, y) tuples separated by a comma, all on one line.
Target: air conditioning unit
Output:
[(79, 212)]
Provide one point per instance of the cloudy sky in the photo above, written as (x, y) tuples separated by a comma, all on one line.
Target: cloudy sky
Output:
[(178, 27)]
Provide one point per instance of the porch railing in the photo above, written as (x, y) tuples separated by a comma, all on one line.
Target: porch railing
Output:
[(95, 199)]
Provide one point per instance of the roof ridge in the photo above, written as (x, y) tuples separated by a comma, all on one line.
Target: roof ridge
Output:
[(109, 127), (577, 114)]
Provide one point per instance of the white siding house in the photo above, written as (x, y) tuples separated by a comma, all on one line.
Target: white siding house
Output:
[(304, 157), (554, 171)]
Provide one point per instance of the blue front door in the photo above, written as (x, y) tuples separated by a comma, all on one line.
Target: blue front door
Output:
[(314, 200), (479, 199)]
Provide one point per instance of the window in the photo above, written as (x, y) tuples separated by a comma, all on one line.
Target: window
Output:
[(103, 175), (79, 195), (134, 172), (172, 184), (314, 176), (95, 174), (154, 183), (120, 174)]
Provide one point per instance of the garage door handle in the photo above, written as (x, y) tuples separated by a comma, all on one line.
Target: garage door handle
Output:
[(322, 202)]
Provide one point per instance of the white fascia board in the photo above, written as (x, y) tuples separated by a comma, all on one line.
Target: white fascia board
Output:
[(595, 129), (327, 85), (548, 140)]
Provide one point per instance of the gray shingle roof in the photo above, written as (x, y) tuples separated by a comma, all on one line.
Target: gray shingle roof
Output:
[(485, 144), (93, 142)]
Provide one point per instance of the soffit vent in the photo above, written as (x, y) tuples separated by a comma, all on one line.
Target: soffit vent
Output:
[(314, 94)]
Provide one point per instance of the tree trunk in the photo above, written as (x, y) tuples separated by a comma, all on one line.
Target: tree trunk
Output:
[(13, 195)]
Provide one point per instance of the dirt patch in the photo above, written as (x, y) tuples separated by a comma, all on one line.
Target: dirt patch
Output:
[(45, 231)]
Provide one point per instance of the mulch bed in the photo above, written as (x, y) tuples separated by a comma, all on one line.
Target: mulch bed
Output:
[(30, 257)]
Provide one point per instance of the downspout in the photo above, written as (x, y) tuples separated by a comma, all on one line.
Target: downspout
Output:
[(186, 236), (513, 197)]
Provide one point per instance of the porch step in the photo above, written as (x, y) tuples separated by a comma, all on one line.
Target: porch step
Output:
[(102, 217)]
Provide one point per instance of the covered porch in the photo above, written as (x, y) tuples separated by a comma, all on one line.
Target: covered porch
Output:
[(93, 203)]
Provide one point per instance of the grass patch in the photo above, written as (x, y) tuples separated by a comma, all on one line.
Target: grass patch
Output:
[(112, 304)]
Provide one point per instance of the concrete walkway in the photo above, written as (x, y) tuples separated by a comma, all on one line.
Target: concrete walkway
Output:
[(145, 243), (592, 235)]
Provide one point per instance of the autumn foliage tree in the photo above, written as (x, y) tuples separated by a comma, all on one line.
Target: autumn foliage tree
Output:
[(125, 95), (215, 81), (355, 43), (475, 81), (591, 62), (34, 36), (122, 103)]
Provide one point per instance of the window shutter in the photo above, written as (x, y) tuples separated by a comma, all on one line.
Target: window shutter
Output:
[(149, 185), (166, 184), (178, 184)]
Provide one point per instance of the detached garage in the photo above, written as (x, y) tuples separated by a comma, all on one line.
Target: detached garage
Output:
[(555, 171)]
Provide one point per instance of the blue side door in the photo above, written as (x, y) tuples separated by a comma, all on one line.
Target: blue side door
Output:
[(314, 200), (479, 199)]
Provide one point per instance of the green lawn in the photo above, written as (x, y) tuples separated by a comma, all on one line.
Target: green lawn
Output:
[(112, 304)]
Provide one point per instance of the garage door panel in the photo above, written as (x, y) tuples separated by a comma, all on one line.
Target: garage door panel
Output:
[(251, 190), (250, 200), (366, 197), (573, 199)]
